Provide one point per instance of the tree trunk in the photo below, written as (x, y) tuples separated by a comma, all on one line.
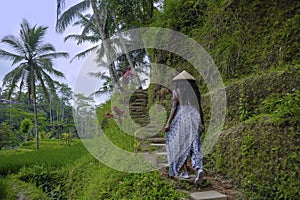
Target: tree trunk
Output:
[(125, 49), (37, 146), (62, 111), (50, 110), (106, 44)]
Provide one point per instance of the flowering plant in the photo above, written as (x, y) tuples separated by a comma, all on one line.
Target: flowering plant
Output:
[(119, 113)]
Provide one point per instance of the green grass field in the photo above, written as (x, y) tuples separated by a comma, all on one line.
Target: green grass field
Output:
[(51, 152)]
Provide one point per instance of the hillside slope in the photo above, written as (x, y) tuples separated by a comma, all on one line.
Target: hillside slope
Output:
[(255, 45)]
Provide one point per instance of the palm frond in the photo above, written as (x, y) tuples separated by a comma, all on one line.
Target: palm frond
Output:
[(47, 65), (81, 39), (48, 80), (41, 80), (14, 42), (100, 92), (100, 75), (88, 26), (12, 57), (36, 37), (69, 15), (45, 48), (83, 20), (21, 86), (14, 74), (60, 5), (13, 77), (84, 53), (54, 55)]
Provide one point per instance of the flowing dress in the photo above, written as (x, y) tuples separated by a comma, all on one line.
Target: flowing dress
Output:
[(183, 139)]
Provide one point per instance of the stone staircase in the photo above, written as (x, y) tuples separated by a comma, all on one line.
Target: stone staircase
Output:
[(155, 143), (138, 108)]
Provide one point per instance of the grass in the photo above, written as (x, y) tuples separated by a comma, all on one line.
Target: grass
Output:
[(90, 179), (51, 152)]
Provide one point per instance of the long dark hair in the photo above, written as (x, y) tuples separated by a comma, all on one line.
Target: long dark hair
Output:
[(189, 93)]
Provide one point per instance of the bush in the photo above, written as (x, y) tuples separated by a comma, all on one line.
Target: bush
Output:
[(285, 109)]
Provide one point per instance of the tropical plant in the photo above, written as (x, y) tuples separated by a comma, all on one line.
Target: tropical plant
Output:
[(99, 14), (34, 64)]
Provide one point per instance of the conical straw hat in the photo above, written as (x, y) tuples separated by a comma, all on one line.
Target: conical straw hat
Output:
[(184, 75)]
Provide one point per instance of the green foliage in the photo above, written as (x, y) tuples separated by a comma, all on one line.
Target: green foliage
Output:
[(243, 37), (14, 114), (49, 179), (285, 108), (118, 137), (13, 188), (245, 97), (244, 107), (26, 127), (67, 138), (98, 181), (262, 158), (219, 160), (7, 137)]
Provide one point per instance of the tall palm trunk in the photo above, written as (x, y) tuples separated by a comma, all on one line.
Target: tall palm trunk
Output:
[(125, 49), (106, 44), (50, 109), (37, 145)]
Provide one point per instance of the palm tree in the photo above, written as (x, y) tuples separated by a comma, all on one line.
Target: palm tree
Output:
[(99, 16), (34, 66), (105, 25)]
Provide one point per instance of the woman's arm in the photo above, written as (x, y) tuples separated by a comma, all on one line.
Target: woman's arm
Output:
[(173, 111)]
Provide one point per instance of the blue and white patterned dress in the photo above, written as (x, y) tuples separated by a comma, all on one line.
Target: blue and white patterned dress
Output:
[(183, 139)]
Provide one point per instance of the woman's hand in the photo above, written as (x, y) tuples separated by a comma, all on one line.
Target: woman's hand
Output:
[(167, 127)]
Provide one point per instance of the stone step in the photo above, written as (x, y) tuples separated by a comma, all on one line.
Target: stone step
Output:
[(207, 195), (137, 104), (137, 113), (141, 96), (151, 129), (156, 162), (137, 107), (161, 153), (157, 140), (141, 121), (140, 101), (137, 92), (140, 117), (164, 164), (158, 145)]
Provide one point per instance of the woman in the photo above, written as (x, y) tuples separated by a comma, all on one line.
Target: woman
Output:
[(184, 126)]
